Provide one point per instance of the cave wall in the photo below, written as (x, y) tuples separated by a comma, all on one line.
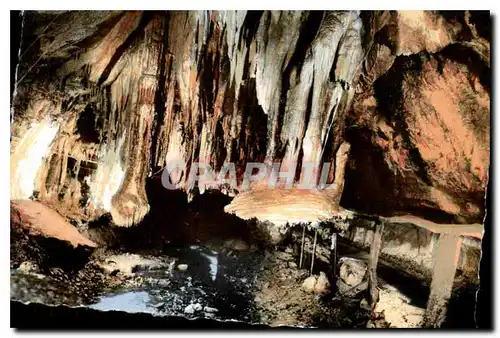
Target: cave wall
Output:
[(411, 248), (105, 99), (419, 127)]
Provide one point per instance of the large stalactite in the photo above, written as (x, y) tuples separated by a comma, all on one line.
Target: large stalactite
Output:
[(104, 100)]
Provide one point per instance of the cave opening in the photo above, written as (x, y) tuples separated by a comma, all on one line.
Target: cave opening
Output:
[(87, 125)]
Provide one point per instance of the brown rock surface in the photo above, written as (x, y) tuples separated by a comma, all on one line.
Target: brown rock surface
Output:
[(420, 132), (41, 220)]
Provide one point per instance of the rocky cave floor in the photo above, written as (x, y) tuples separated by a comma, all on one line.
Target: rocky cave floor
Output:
[(225, 275)]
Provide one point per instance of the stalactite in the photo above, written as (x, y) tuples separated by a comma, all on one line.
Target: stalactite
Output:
[(230, 86)]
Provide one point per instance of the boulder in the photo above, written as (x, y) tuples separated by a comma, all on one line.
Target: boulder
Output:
[(322, 284), (316, 284), (129, 263), (352, 271), (309, 284), (39, 219)]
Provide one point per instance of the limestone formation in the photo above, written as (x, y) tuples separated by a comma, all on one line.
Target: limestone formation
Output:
[(104, 100), (352, 271)]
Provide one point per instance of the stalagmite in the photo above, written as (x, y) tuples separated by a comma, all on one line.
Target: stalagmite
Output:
[(372, 265), (445, 263)]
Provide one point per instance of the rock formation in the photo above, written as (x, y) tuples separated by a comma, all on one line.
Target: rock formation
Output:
[(104, 100), (419, 126), (40, 220)]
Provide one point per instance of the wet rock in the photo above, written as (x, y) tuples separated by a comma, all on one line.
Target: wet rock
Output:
[(58, 288), (210, 309), (352, 271), (192, 308), (189, 309), (182, 267), (28, 267), (163, 282), (130, 263), (236, 244)]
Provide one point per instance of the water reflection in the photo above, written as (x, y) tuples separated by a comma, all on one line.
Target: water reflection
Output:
[(133, 302)]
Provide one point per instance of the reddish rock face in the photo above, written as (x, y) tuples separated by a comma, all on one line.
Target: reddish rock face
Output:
[(39, 219), (130, 92), (420, 136), (448, 122)]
